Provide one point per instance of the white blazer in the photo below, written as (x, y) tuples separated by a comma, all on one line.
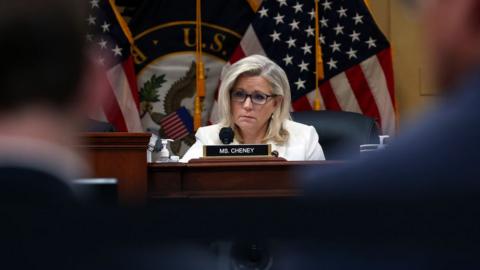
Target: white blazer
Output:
[(302, 142)]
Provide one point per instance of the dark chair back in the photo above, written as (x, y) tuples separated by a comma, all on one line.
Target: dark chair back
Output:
[(340, 133), (99, 126)]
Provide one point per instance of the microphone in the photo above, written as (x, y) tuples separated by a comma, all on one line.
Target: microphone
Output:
[(226, 135)]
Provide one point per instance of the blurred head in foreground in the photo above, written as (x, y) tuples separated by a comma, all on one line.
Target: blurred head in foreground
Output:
[(46, 78), (452, 33)]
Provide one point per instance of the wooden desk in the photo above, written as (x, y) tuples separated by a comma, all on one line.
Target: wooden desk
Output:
[(123, 156), (120, 155), (227, 179)]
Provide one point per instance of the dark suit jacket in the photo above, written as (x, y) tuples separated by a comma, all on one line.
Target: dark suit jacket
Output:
[(34, 206), (23, 186), (435, 159), (419, 196), (43, 227)]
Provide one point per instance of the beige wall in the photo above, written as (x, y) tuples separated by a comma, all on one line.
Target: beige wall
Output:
[(413, 92)]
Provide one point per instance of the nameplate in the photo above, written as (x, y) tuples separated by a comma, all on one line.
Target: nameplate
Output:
[(240, 150)]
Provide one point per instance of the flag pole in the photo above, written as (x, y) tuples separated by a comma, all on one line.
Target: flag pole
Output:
[(200, 74), (121, 21), (318, 60)]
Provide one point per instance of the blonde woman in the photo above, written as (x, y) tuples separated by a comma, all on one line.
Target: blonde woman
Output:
[(254, 100)]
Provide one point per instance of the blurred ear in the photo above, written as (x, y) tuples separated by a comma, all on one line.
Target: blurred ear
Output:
[(476, 10), (473, 15), (93, 89), (473, 23)]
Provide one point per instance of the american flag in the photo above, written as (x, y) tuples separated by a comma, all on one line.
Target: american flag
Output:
[(177, 125), (105, 32), (356, 55)]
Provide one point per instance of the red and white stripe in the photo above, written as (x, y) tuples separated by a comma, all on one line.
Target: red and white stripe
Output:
[(366, 88), (122, 101), (174, 127)]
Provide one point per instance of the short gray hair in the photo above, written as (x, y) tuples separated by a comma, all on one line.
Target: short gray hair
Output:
[(257, 65)]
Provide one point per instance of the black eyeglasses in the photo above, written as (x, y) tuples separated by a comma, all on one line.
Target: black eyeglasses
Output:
[(258, 98)]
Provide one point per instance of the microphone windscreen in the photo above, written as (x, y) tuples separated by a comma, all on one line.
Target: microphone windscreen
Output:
[(226, 135)]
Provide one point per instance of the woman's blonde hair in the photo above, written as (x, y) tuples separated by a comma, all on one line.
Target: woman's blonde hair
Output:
[(257, 65)]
